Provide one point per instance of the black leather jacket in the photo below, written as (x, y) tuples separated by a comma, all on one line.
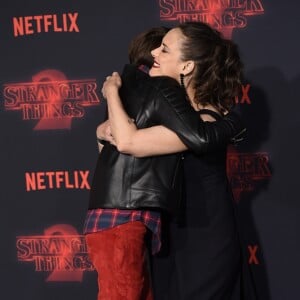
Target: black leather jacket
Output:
[(126, 182)]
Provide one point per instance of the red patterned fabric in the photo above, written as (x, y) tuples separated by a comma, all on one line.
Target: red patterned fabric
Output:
[(119, 255), (102, 219)]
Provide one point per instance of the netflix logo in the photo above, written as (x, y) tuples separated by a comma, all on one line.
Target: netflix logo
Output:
[(49, 180), (29, 25)]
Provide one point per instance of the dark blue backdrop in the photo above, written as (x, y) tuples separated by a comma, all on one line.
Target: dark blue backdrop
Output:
[(58, 45)]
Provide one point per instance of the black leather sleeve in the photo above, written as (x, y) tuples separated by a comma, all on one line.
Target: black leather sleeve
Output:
[(172, 110)]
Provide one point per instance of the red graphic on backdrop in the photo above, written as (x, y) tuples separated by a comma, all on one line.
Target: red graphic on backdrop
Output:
[(223, 15), (27, 25), (253, 255), (244, 98), (51, 99), (244, 170), (36, 181), (61, 252)]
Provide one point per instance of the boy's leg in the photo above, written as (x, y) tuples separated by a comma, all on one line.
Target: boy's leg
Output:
[(119, 256)]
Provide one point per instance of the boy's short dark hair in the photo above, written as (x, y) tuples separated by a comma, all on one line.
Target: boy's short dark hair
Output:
[(139, 50)]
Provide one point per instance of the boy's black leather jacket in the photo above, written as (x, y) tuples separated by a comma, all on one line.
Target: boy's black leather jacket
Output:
[(126, 182)]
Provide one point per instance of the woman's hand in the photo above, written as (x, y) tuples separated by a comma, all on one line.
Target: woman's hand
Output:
[(103, 132), (111, 86)]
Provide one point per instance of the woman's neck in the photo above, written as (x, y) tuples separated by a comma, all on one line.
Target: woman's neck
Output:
[(198, 106)]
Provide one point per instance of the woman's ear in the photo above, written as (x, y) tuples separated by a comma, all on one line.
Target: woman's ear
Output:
[(188, 67)]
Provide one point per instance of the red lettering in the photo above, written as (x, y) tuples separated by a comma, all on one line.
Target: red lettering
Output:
[(76, 179), (47, 22), (73, 26), (40, 181), (66, 22), (30, 181), (55, 25), (245, 96), (84, 176), (252, 255), (18, 26), (38, 23), (28, 25), (57, 179), (50, 179), (68, 185)]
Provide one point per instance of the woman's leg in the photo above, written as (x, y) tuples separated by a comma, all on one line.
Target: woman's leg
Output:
[(119, 256)]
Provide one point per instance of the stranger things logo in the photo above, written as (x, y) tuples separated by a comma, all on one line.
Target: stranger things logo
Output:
[(51, 99), (223, 15), (60, 252), (246, 170)]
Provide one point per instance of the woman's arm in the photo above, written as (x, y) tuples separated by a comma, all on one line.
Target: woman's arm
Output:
[(191, 133), (127, 138)]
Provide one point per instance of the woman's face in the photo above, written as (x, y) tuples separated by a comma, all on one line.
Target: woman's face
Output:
[(167, 61)]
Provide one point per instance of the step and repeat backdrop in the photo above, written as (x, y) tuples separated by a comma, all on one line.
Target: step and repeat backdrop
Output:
[(54, 56)]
